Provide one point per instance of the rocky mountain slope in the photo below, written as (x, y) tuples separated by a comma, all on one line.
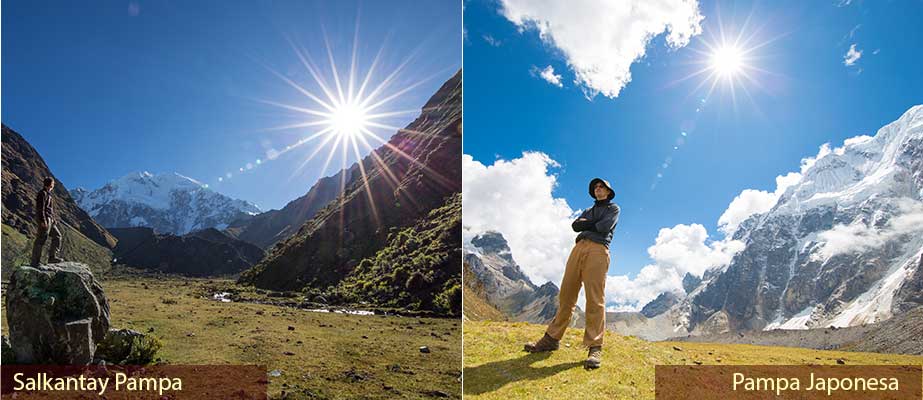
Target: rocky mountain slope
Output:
[(408, 177), (168, 203), (273, 226), (207, 252), (842, 247), (476, 307), (503, 283), (23, 171)]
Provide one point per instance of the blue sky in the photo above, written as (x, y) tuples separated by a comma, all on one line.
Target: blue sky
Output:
[(102, 89), (802, 94)]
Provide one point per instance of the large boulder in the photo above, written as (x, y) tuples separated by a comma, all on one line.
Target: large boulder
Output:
[(56, 314)]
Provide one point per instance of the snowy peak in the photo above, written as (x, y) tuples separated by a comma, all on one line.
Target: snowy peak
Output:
[(168, 203), (839, 248), (863, 167)]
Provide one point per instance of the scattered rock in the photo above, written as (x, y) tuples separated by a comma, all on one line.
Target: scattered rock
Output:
[(840, 361), (275, 373), (291, 328), (355, 376), (288, 353), (677, 348), (424, 349), (56, 314)]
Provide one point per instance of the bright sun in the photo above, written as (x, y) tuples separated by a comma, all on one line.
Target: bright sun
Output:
[(348, 119), (727, 61)]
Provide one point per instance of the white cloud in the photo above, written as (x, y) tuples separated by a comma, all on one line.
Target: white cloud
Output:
[(676, 251), (600, 40), (852, 55), (492, 41), (857, 237), (547, 74), (514, 197)]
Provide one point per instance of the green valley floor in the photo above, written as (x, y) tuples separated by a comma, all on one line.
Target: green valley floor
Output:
[(309, 354)]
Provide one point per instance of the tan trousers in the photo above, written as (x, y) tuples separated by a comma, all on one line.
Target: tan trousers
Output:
[(587, 264)]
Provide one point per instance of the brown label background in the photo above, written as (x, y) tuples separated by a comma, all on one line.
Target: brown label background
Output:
[(717, 381), (199, 381)]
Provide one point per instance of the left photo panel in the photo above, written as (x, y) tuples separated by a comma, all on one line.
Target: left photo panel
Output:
[(231, 199)]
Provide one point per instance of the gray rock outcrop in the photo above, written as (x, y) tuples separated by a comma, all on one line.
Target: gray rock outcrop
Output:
[(56, 314)]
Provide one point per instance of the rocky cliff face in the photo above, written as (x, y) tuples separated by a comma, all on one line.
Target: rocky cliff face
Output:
[(503, 283), (23, 172), (414, 173), (273, 226), (660, 305), (168, 203), (207, 252)]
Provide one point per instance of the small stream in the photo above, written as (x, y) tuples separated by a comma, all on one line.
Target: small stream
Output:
[(226, 297)]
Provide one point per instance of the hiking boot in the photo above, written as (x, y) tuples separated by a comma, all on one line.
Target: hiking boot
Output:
[(594, 358), (54, 260), (546, 343)]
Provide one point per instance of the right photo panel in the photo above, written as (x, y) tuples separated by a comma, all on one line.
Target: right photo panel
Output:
[(692, 199)]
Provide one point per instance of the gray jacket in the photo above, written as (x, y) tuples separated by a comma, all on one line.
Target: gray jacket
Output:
[(600, 224)]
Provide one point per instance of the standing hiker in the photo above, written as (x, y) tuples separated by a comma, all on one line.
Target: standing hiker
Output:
[(587, 265), (47, 226)]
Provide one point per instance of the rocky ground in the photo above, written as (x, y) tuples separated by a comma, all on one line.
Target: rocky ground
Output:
[(308, 354), (496, 367), (902, 334)]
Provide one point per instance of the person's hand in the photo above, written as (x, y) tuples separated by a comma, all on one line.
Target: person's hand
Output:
[(582, 219), (43, 225)]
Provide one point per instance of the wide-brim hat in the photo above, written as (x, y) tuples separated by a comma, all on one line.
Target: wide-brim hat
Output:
[(604, 182)]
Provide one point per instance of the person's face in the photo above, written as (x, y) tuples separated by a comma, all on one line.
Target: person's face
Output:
[(600, 191), (51, 185)]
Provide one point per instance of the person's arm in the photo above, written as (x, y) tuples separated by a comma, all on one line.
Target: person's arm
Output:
[(40, 208), (608, 221), (582, 223)]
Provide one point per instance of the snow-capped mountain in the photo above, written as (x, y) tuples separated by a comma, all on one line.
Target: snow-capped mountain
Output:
[(168, 203), (841, 247)]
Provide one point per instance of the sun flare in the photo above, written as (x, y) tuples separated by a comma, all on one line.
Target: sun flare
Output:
[(348, 120), (727, 61), (344, 112)]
